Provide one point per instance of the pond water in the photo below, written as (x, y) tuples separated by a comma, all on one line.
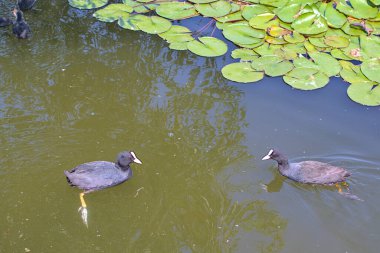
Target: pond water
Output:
[(82, 90)]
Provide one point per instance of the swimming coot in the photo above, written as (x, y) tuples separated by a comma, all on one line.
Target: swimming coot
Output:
[(20, 27), (25, 4), (98, 175), (309, 172)]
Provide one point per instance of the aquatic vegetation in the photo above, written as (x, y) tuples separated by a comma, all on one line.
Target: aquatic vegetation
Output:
[(305, 41)]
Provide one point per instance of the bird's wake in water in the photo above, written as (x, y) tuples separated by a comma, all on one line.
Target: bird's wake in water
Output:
[(84, 214)]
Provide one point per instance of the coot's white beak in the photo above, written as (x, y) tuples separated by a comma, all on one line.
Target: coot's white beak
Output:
[(135, 159), (268, 155)]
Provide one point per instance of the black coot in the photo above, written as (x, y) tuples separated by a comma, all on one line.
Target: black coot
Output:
[(98, 175), (20, 27), (309, 172)]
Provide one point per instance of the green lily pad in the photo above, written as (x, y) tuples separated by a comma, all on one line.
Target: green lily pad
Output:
[(241, 72), (364, 93), (207, 47), (306, 79), (337, 41), (113, 12), (310, 23), (233, 17), (87, 4), (177, 33), (302, 62), (371, 69), (294, 37), (370, 45), (334, 18), (243, 34), (154, 25), (263, 21), (327, 64), (244, 54), (274, 3), (250, 11), (176, 10), (338, 54), (288, 12), (261, 62), (267, 49), (357, 8), (131, 22), (202, 1), (278, 69), (275, 41), (318, 42), (178, 46), (351, 73), (141, 8), (215, 9)]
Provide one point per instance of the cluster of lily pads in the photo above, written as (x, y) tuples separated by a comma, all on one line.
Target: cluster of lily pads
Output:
[(305, 41)]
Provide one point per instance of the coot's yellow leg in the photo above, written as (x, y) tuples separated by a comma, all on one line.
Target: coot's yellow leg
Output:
[(337, 185), (83, 208), (345, 184)]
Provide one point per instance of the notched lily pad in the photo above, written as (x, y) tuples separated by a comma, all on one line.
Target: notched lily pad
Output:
[(215, 9), (244, 54), (327, 64), (113, 12), (154, 25), (306, 79), (241, 72), (177, 33), (371, 69), (176, 10), (365, 93), (243, 34), (87, 4), (207, 47)]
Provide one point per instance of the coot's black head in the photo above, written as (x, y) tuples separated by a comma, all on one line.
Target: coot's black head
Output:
[(127, 157), (275, 155), (18, 14)]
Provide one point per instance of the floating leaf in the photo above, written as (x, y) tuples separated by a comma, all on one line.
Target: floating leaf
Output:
[(278, 69), (357, 8), (275, 3), (371, 69), (327, 64), (310, 23), (250, 11), (267, 49), (154, 25), (338, 54), (178, 45), (176, 10), (233, 17), (243, 34), (336, 41), (318, 42), (302, 62), (261, 62), (87, 4), (370, 45), (306, 79), (202, 1), (263, 21), (294, 37), (288, 12), (113, 12), (207, 47), (216, 9), (177, 33), (351, 73), (334, 18), (241, 72), (130, 23), (244, 54), (140, 8), (364, 93)]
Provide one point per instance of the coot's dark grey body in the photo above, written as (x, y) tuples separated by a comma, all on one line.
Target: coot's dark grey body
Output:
[(20, 27), (309, 172), (98, 175), (25, 4)]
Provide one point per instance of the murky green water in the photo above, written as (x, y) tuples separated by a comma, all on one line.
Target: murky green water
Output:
[(81, 90)]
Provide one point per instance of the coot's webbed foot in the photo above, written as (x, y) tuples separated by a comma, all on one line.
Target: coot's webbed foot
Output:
[(83, 209)]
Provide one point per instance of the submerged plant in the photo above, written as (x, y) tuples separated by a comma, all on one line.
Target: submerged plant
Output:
[(305, 41)]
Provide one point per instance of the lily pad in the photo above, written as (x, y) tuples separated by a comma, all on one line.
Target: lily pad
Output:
[(278, 69), (87, 4), (336, 41), (261, 62), (263, 21), (176, 10), (215, 9), (327, 64), (250, 11), (207, 47), (371, 69), (294, 37), (357, 8), (288, 12), (351, 73), (131, 22), (232, 17), (306, 79), (310, 23), (244, 54), (243, 34), (141, 8), (154, 25), (202, 1), (177, 33), (370, 45), (178, 46), (241, 72), (364, 93), (334, 18), (113, 12)]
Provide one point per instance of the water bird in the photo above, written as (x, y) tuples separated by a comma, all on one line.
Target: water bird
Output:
[(20, 27), (311, 172), (25, 4), (97, 175), (5, 21)]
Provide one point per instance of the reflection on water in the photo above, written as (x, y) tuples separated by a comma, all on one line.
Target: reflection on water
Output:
[(82, 90)]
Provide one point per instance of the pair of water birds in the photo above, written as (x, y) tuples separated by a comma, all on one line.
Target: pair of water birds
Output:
[(98, 175), (19, 26)]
